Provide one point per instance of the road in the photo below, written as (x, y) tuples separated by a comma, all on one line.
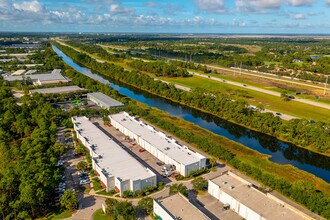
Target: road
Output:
[(309, 102), (287, 117), (281, 115)]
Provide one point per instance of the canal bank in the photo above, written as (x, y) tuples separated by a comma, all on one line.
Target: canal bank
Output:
[(280, 152)]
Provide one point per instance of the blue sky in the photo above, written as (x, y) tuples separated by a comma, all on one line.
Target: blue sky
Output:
[(165, 16)]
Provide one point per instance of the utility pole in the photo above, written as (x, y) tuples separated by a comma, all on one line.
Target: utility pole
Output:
[(325, 85), (240, 70), (190, 57), (185, 58)]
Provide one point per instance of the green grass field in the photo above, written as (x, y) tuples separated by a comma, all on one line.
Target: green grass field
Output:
[(270, 102), (274, 103), (96, 184), (99, 215)]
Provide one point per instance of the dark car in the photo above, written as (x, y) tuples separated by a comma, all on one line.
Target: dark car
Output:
[(159, 163)]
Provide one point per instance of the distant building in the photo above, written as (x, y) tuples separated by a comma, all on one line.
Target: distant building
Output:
[(56, 90), (18, 73), (243, 198), (163, 147), (116, 168), (176, 207), (297, 60), (24, 45), (29, 72), (313, 57), (103, 101), (41, 79)]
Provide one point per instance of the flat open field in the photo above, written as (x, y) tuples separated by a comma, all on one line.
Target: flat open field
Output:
[(274, 85), (253, 97)]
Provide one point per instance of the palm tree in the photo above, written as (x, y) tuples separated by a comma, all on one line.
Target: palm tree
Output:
[(213, 161)]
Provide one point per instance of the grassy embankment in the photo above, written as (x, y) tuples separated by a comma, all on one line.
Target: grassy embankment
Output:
[(309, 148), (242, 152), (276, 86), (270, 102)]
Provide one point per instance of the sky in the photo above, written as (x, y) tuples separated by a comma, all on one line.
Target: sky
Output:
[(167, 16)]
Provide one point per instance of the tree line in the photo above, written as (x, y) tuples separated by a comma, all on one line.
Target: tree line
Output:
[(297, 131), (315, 200), (28, 155), (159, 68)]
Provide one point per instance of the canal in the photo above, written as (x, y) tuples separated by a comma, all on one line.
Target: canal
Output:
[(280, 152)]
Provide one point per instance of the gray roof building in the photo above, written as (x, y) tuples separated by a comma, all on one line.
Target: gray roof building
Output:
[(103, 100), (63, 89), (40, 79)]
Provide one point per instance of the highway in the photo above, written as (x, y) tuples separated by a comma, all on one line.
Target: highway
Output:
[(309, 102)]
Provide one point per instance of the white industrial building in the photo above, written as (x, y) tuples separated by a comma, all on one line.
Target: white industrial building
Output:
[(176, 207), (103, 100), (116, 168), (243, 198), (163, 147), (41, 79)]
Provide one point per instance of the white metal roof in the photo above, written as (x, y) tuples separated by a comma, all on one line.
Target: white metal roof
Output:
[(179, 206), (115, 160), (257, 201), (63, 89), (105, 100), (55, 75), (167, 145)]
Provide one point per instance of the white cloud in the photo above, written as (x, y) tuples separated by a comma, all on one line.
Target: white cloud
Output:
[(118, 9), (210, 6), (151, 4), (300, 2), (257, 6), (299, 16), (33, 6), (259, 3)]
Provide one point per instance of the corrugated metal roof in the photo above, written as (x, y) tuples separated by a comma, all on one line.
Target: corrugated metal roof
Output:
[(105, 100)]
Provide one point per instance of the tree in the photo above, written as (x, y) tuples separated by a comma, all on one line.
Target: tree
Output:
[(285, 96), (80, 149), (69, 200), (199, 183), (120, 210), (125, 211), (106, 120), (260, 107), (213, 161), (175, 188), (82, 166), (146, 204)]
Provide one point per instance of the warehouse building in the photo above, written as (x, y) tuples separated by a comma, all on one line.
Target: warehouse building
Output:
[(116, 168), (56, 90), (41, 79), (103, 101), (163, 147), (177, 207), (243, 198)]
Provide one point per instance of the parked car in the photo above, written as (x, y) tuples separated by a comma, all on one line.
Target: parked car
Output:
[(141, 150), (159, 163)]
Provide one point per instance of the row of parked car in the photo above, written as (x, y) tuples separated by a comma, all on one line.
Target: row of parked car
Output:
[(60, 189), (84, 178)]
